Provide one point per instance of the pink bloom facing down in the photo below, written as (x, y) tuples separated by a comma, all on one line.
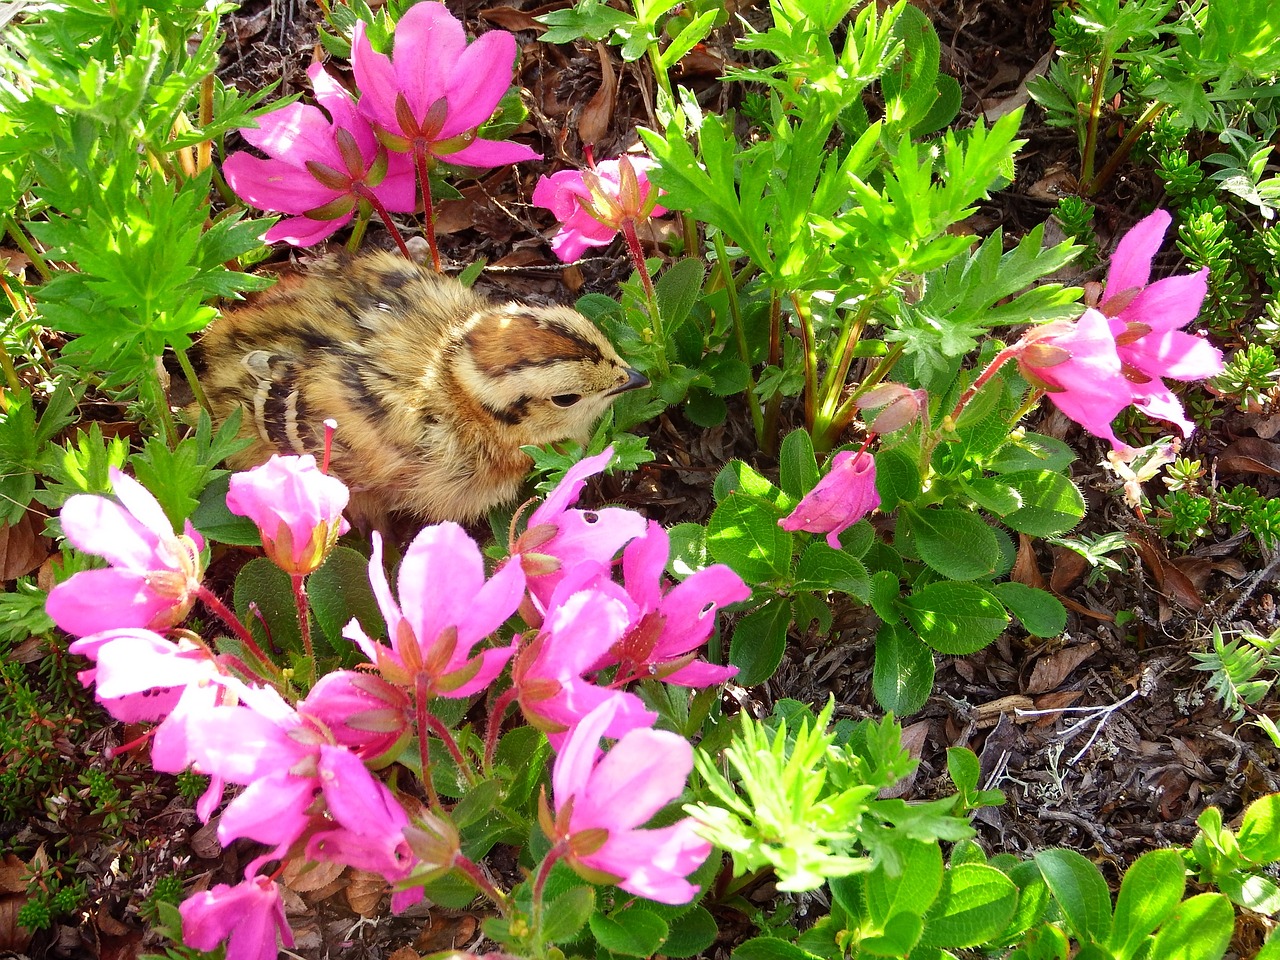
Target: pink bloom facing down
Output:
[(363, 712), (249, 917), (643, 772), (559, 538), (592, 205), (297, 509), (154, 574), (670, 622), (446, 607), (436, 90), (843, 497), (1146, 320), (320, 164), (1077, 363)]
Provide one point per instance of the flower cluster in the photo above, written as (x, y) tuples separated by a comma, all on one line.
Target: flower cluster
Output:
[(423, 103), (303, 768), (1117, 353)]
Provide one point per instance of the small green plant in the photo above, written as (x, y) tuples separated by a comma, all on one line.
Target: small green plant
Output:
[(1242, 671), (1250, 376)]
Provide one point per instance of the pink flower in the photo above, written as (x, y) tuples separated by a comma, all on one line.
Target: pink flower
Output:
[(363, 712), (558, 538), (446, 608), (594, 204), (600, 803), (669, 624), (154, 575), (586, 617), (1146, 320), (297, 509), (321, 164), (249, 916), (843, 497), (1077, 363), (434, 91)]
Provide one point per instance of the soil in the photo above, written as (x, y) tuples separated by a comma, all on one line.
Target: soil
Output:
[(1142, 748)]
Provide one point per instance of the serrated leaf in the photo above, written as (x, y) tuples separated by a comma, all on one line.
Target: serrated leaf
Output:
[(632, 933), (897, 478), (567, 914), (797, 465), (1051, 504), (759, 640), (902, 674), (677, 290), (262, 583), (956, 543), (955, 618), (690, 934), (975, 904), (339, 591), (1041, 613), (743, 532), (821, 568)]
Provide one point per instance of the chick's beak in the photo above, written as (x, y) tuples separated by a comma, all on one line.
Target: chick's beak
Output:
[(635, 380)]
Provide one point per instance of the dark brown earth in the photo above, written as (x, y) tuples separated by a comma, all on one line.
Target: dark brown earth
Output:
[(1145, 752)]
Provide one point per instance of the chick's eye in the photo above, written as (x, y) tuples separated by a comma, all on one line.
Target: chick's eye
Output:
[(566, 399)]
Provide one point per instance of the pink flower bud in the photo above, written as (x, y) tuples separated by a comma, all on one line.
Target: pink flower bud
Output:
[(841, 498), (899, 405), (297, 509)]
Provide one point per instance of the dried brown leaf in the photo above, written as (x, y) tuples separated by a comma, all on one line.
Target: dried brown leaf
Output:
[(1170, 581), (598, 113), (22, 549), (13, 937), (989, 713), (1026, 569), (365, 892), (1052, 670), (1068, 568), (509, 18), (1250, 455), (308, 876)]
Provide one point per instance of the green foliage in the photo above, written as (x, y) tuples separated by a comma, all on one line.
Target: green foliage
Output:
[(1250, 375), (1242, 671)]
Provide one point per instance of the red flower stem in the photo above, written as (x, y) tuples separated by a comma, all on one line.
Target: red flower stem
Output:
[(424, 753), (472, 871), (385, 214), (304, 613), (428, 210), (223, 613), (996, 363), (651, 295), (495, 726), (450, 744), (540, 882)]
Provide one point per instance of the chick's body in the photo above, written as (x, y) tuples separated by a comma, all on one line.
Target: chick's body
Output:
[(434, 387)]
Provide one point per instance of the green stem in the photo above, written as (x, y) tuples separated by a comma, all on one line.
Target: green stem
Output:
[(385, 214), (539, 887), (193, 381), (848, 409), (160, 400), (20, 238), (496, 714), (1121, 153), (1095, 112), (809, 343), (773, 407), (846, 347), (424, 751), (739, 334)]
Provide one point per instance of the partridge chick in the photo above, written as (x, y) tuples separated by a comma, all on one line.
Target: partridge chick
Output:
[(434, 387)]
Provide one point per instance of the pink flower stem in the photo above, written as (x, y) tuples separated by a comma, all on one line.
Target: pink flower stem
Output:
[(495, 726), (221, 611), (650, 294), (450, 744), (304, 614), (424, 753), (428, 210), (366, 194), (988, 372), (472, 871)]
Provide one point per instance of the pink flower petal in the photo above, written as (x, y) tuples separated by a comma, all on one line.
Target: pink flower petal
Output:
[(1131, 263), (100, 526), (271, 810), (274, 185), (490, 153), (440, 575), (429, 44), (654, 863), (577, 757), (375, 79), (96, 600), (1168, 304), (641, 774), (480, 78)]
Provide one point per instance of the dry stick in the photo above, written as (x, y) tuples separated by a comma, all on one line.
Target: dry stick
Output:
[(1101, 714)]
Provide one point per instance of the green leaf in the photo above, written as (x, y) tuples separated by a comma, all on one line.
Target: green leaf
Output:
[(567, 914), (632, 933), (821, 568), (1259, 834), (898, 936), (759, 640), (691, 933), (212, 518), (677, 291), (1041, 613), (339, 591), (1150, 891), (262, 583), (737, 477), (885, 590), (955, 618), (963, 768), (743, 532), (771, 948), (1200, 929), (798, 467), (992, 495), (1033, 451), (902, 675), (975, 904), (1051, 504), (897, 478), (911, 889), (1081, 892), (956, 543)]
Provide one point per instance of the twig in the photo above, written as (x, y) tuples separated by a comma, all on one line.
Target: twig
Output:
[(1100, 714)]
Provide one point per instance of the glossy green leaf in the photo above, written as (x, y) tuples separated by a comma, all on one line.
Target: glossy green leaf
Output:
[(632, 933), (956, 543), (1081, 892), (743, 532), (975, 903), (902, 675), (1150, 891), (759, 640), (1051, 504), (1040, 612), (1200, 929), (955, 618)]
